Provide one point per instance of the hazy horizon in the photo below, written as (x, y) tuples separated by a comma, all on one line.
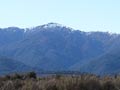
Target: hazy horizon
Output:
[(87, 15)]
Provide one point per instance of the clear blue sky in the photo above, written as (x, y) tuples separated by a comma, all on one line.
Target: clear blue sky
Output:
[(86, 15)]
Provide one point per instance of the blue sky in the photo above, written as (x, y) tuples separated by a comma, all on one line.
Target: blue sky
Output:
[(86, 15)]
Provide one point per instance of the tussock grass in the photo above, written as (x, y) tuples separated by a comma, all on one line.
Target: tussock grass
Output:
[(30, 81)]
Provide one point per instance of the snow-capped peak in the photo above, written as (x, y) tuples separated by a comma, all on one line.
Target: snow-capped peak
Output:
[(52, 25)]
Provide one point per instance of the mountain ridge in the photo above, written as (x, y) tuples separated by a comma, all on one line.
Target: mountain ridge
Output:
[(56, 48)]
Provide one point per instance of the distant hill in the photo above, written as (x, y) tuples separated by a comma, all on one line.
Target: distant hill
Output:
[(54, 47), (12, 66)]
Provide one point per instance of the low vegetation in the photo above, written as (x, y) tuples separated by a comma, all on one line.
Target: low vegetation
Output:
[(30, 81)]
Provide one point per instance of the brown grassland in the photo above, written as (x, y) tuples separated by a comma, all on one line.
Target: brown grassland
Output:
[(30, 81)]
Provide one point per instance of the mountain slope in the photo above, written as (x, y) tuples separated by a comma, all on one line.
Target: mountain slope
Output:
[(10, 35), (107, 63), (55, 47), (11, 66)]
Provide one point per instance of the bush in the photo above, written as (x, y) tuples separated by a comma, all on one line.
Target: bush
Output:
[(31, 75)]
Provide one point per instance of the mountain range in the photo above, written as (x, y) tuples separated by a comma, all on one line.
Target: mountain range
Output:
[(54, 47)]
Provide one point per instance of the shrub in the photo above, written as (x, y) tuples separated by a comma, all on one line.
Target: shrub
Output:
[(31, 75)]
